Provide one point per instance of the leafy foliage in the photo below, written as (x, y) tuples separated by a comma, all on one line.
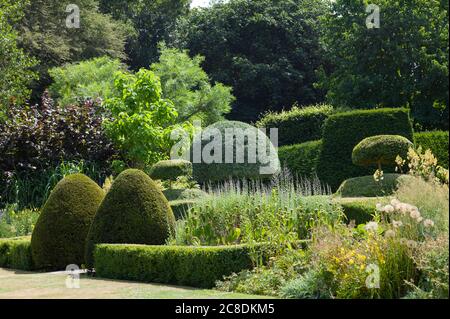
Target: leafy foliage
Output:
[(343, 131), (15, 66), (298, 125), (59, 237), (134, 211), (45, 36), (15, 222), (185, 83), (142, 121), (152, 21), (90, 79), (15, 253), (437, 142), (266, 50), (413, 74)]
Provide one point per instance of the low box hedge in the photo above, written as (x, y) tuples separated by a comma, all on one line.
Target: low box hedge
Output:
[(180, 265), (15, 253)]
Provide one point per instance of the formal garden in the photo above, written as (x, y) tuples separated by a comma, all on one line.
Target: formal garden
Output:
[(245, 148)]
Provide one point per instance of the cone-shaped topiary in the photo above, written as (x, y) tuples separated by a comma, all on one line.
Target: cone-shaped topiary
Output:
[(59, 236), (134, 211)]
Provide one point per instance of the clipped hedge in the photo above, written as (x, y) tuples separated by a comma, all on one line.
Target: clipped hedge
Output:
[(184, 193), (171, 169), (134, 211), (366, 186), (181, 207), (15, 253), (361, 210), (380, 149), (437, 142), (343, 131), (301, 159), (193, 266), (297, 125), (230, 160)]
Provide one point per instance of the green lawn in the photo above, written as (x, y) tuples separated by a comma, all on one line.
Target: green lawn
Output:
[(20, 284)]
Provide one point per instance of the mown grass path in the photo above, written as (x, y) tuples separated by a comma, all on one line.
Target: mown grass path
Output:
[(30, 285)]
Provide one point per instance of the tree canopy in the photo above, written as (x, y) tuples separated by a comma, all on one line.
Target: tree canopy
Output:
[(266, 50), (404, 63), (186, 84)]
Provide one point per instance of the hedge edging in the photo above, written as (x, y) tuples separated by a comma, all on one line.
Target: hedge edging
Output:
[(15, 253), (180, 265)]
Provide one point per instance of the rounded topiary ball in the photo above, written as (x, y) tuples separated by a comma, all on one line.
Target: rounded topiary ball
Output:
[(59, 236), (380, 150), (171, 169), (134, 211), (233, 160)]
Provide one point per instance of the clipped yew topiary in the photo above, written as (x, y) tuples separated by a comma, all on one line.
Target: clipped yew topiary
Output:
[(233, 150), (59, 236), (134, 211), (171, 169), (380, 150)]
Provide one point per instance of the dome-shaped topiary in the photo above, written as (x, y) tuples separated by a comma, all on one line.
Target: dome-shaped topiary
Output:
[(59, 236), (171, 169), (380, 150), (134, 211), (234, 150)]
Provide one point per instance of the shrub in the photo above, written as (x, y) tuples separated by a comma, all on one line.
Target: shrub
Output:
[(360, 211), (437, 142), (171, 169), (134, 211), (181, 207), (14, 222), (15, 253), (59, 236), (298, 125), (367, 186), (180, 265), (301, 159), (344, 130), (35, 141), (220, 169), (380, 150), (90, 79), (184, 194)]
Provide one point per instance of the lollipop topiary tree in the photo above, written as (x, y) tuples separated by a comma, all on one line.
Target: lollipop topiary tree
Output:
[(380, 150)]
